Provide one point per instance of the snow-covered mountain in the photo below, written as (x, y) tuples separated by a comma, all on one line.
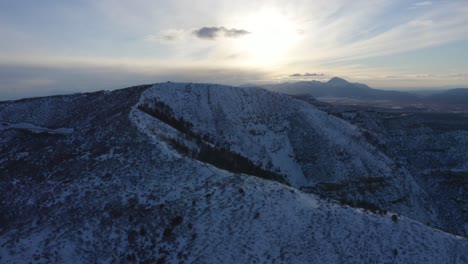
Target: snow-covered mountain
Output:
[(310, 148), (161, 173)]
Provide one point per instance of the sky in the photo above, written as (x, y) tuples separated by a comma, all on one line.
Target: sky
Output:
[(49, 47)]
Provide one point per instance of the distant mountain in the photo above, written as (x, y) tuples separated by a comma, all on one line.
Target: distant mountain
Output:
[(340, 88), (204, 173), (452, 96), (338, 82)]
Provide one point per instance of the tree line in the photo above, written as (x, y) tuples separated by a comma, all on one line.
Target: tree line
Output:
[(216, 155)]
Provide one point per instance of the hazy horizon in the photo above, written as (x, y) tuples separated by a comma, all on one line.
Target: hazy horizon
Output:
[(59, 48)]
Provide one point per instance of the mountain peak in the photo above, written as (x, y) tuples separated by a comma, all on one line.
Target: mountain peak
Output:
[(336, 81)]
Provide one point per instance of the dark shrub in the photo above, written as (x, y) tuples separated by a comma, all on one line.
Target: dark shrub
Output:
[(176, 220), (167, 232)]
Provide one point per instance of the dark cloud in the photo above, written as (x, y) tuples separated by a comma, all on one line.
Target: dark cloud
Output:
[(296, 75), (214, 32)]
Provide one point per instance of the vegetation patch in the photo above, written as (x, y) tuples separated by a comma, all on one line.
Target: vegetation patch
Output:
[(206, 151)]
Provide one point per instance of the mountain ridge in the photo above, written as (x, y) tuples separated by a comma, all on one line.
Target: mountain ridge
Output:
[(339, 88)]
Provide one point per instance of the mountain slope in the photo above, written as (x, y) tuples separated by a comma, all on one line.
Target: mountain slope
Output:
[(308, 147), (112, 189), (432, 147)]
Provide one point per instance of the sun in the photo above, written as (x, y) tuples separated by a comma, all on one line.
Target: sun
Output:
[(271, 36)]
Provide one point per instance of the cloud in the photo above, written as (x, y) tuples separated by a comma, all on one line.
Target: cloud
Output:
[(426, 76), (169, 36), (420, 5), (212, 33), (172, 36), (297, 75), (428, 31), (459, 76), (421, 23), (425, 3)]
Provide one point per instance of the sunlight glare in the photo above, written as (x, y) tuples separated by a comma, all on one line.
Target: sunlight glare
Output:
[(272, 36)]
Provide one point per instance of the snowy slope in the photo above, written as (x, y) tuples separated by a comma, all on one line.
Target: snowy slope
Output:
[(432, 146), (254, 128), (305, 144), (266, 126), (113, 191)]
